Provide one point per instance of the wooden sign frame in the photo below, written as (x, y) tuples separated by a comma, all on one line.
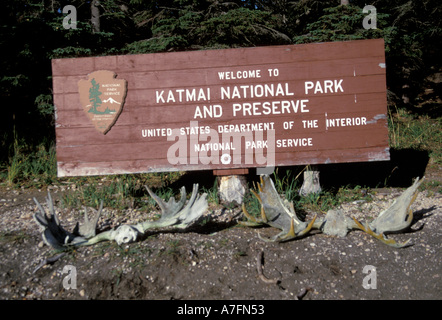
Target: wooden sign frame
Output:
[(224, 109)]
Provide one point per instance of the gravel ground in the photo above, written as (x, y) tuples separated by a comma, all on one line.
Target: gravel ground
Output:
[(222, 260)]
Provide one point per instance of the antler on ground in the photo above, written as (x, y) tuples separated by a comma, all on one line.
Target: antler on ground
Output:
[(53, 233), (397, 218), (276, 213), (173, 215), (89, 228), (280, 214)]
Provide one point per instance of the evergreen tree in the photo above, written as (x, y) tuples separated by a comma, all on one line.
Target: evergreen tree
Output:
[(94, 97)]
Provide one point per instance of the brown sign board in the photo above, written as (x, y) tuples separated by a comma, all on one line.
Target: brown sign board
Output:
[(221, 109)]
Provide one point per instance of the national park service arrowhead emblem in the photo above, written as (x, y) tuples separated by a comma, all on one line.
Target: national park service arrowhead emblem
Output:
[(102, 98)]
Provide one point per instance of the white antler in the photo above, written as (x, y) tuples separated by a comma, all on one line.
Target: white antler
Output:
[(173, 215), (279, 214)]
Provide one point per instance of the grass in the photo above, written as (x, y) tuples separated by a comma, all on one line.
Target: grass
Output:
[(13, 236), (121, 192), (173, 247), (28, 165), (212, 193), (410, 131)]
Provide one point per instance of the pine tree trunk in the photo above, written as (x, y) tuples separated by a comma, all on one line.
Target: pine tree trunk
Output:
[(95, 16)]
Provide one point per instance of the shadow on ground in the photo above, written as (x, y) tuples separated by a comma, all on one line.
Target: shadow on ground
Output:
[(404, 166)]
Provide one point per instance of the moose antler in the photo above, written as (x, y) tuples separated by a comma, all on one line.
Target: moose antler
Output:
[(53, 233), (174, 214), (397, 218), (276, 213), (281, 214)]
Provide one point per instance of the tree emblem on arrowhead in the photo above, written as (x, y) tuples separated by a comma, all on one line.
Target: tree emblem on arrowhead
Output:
[(102, 98)]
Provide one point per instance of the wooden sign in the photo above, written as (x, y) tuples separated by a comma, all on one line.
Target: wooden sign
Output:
[(222, 109)]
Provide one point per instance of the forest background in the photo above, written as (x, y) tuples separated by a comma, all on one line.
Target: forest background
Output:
[(32, 33)]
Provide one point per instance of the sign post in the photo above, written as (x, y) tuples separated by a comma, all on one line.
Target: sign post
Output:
[(229, 109)]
